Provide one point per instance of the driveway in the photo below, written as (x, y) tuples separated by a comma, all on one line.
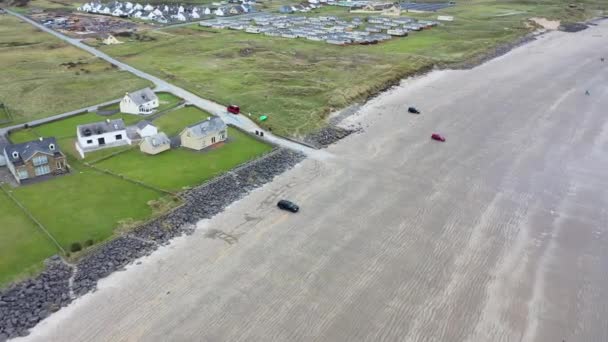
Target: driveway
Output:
[(498, 234)]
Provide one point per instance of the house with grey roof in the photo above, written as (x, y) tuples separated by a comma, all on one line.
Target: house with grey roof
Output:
[(145, 129), (204, 134), (142, 102), (99, 135), (155, 144), (36, 158)]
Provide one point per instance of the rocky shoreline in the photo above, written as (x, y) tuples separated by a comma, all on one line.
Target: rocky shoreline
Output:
[(25, 304)]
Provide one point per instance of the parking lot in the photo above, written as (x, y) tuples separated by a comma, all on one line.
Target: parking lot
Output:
[(329, 29)]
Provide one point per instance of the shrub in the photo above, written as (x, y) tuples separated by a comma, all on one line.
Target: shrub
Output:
[(88, 243), (75, 247)]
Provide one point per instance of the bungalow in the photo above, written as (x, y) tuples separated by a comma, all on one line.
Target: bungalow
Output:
[(99, 135), (35, 159), (155, 144), (204, 134), (143, 101), (145, 129)]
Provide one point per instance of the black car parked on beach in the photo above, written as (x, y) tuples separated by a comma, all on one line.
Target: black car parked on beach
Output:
[(288, 205)]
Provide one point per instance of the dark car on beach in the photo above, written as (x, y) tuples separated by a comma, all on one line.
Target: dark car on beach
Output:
[(413, 110), (288, 205)]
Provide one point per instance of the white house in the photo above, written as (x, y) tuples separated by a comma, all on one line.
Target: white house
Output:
[(138, 7), (85, 8), (145, 129), (149, 8), (99, 135), (143, 102), (117, 12)]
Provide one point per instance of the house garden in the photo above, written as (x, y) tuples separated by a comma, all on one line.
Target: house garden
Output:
[(109, 192)]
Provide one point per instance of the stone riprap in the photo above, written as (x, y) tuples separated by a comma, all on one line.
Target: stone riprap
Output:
[(327, 136), (24, 304)]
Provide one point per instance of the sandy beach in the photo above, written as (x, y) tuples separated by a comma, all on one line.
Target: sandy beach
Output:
[(498, 234)]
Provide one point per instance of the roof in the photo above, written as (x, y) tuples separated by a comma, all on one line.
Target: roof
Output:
[(158, 139), (142, 124), (142, 96), (101, 127), (28, 149), (211, 125)]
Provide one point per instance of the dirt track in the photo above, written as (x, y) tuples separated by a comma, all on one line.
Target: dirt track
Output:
[(499, 234)]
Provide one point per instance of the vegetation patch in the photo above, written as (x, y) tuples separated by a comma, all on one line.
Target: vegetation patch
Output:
[(42, 76), (297, 83), (181, 168)]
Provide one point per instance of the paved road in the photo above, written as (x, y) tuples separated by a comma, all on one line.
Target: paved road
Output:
[(161, 85), (498, 234)]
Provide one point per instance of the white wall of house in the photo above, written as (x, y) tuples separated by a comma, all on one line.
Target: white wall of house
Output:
[(128, 106), (99, 141)]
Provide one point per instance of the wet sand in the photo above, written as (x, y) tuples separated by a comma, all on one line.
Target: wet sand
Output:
[(498, 234)]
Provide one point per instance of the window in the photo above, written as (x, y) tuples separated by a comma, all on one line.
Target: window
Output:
[(118, 136), (59, 165), (42, 170), (213, 140), (22, 174), (40, 160), (89, 141)]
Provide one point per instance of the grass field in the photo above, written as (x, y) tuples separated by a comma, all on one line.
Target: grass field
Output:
[(174, 122), (22, 246), (180, 168), (37, 80), (85, 204), (298, 82)]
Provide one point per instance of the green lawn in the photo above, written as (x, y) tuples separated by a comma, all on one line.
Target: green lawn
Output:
[(85, 204), (298, 82), (167, 101), (67, 127), (22, 246), (178, 168), (175, 121), (37, 80)]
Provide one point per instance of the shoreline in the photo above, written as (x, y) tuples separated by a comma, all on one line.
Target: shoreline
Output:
[(150, 241), (113, 256)]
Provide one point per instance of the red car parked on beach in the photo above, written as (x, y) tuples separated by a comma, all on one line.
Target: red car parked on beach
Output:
[(438, 137), (234, 109)]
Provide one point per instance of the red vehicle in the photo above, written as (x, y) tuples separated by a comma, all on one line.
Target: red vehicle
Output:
[(234, 109), (438, 137)]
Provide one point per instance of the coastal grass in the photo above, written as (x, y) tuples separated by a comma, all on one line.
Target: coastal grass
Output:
[(181, 168), (23, 246), (297, 83), (174, 122), (43, 76)]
